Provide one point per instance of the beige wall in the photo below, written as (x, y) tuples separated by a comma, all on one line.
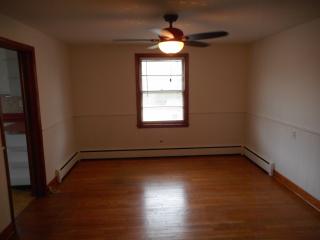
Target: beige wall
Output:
[(52, 59), (105, 108), (283, 121)]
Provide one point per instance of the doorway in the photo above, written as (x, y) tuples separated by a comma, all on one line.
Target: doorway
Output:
[(21, 131), (14, 129)]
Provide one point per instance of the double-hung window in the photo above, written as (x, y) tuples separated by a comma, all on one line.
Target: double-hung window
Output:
[(162, 90)]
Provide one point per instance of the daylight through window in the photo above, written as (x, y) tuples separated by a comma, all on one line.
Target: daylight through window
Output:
[(162, 90)]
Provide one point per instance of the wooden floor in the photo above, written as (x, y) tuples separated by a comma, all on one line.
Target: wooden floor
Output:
[(223, 197), (21, 199)]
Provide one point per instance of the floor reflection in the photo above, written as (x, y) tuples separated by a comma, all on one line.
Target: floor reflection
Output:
[(165, 209)]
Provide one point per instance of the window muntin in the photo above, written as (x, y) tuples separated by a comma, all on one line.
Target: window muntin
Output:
[(161, 90)]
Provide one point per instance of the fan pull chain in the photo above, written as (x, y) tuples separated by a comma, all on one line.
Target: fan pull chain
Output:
[(170, 80)]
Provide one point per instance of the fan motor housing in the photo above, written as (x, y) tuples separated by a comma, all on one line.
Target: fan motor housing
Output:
[(177, 33)]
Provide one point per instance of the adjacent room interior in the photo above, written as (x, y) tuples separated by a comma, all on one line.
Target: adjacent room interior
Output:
[(14, 130), (160, 119)]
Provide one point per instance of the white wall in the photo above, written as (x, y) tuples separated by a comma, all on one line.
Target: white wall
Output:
[(283, 121), (52, 60), (105, 98)]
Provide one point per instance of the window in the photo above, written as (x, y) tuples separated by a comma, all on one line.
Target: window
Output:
[(162, 90)]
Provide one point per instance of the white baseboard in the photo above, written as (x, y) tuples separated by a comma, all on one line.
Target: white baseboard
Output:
[(159, 152), (266, 165), (65, 168)]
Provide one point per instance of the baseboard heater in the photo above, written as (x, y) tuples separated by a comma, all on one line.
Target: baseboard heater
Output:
[(64, 170), (159, 152), (258, 160)]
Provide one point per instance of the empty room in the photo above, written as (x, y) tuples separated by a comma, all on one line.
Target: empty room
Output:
[(159, 120)]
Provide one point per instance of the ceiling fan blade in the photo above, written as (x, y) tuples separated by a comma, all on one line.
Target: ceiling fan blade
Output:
[(153, 47), (206, 35), (196, 44), (135, 40), (162, 33)]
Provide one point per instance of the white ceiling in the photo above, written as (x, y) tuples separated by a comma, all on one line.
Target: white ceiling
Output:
[(93, 21)]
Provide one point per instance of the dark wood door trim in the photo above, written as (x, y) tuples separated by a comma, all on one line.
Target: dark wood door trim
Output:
[(30, 95), (33, 121)]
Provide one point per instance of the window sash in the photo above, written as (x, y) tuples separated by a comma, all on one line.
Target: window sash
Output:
[(162, 113), (165, 82), (172, 96)]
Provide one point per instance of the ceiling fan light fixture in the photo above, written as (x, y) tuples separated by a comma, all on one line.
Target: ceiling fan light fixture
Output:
[(171, 40), (171, 47)]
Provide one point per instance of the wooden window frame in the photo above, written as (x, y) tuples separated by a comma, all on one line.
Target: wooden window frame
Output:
[(162, 124)]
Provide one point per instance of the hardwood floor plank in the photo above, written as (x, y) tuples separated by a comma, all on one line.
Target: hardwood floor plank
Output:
[(217, 197)]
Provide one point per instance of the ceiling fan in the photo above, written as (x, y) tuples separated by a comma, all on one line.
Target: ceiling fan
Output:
[(172, 40)]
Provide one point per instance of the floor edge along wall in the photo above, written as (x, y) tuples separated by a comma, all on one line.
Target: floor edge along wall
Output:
[(264, 164), (269, 167)]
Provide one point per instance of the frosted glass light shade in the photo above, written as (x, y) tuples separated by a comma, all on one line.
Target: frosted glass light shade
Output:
[(171, 46)]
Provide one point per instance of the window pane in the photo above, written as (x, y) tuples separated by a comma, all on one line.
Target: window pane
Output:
[(161, 67), (157, 83), (174, 99), (162, 114)]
